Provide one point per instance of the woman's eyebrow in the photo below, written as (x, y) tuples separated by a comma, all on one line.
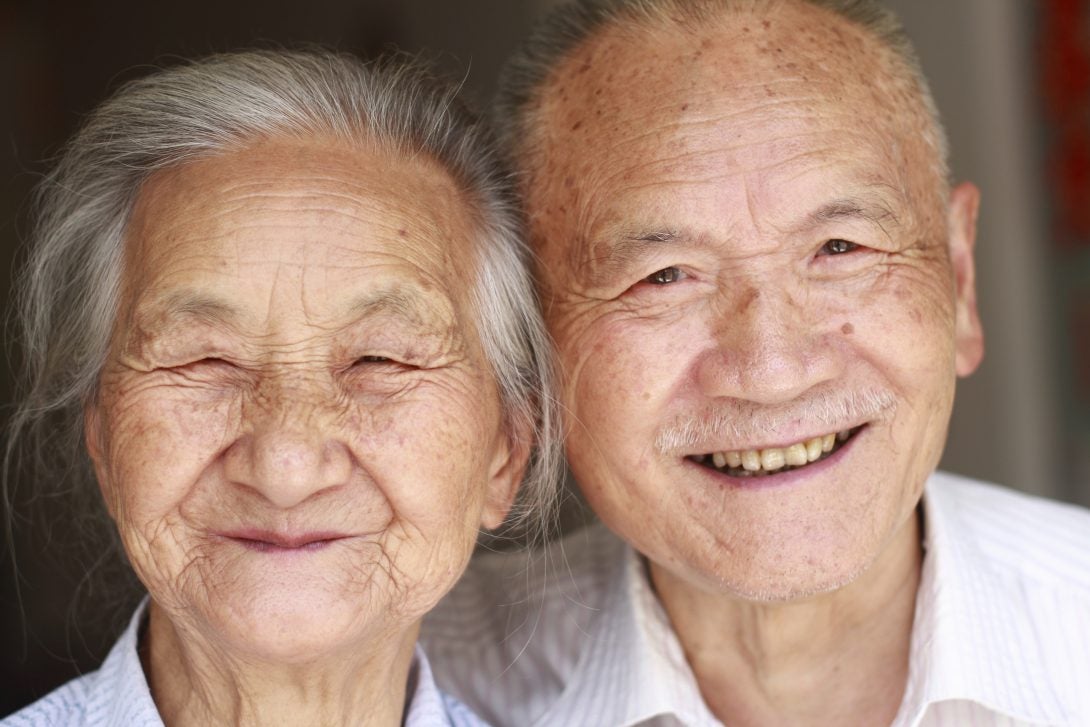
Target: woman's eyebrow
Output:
[(406, 300), (182, 308), (398, 301)]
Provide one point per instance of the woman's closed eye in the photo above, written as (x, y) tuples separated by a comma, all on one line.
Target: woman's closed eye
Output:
[(379, 363), (206, 364)]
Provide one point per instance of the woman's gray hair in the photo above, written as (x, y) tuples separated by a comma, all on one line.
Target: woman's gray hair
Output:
[(574, 23), (68, 290)]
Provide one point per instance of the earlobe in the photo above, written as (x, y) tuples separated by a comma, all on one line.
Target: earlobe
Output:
[(510, 458), (969, 335)]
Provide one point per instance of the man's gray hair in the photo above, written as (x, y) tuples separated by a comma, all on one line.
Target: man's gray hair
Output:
[(574, 23), (68, 291)]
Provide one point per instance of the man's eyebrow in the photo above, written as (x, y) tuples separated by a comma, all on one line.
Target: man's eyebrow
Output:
[(616, 252), (655, 236), (873, 211)]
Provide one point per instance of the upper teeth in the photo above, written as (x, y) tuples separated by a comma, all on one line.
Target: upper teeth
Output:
[(776, 458)]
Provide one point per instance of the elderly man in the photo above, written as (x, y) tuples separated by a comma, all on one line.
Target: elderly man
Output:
[(761, 287)]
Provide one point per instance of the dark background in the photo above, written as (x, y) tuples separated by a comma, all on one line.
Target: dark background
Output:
[(1012, 78), (58, 59)]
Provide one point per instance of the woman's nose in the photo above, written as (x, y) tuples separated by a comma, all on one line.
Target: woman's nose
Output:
[(289, 451)]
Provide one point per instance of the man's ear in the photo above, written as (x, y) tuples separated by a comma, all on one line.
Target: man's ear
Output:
[(961, 223), (92, 439), (511, 454)]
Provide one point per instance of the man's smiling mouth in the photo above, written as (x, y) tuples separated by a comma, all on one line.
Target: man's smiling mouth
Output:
[(774, 460)]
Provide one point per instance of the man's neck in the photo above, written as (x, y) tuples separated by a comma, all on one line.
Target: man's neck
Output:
[(839, 658)]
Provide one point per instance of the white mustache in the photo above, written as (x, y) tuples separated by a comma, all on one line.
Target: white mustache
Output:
[(736, 420)]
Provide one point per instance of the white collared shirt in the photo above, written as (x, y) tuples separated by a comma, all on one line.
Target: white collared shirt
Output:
[(117, 695), (1001, 634)]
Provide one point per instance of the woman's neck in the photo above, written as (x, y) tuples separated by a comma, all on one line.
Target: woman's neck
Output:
[(195, 681)]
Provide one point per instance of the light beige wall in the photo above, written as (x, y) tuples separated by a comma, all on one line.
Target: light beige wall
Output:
[(978, 55)]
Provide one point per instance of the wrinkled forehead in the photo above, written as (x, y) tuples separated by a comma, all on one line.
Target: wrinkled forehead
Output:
[(355, 199), (641, 97), (331, 221)]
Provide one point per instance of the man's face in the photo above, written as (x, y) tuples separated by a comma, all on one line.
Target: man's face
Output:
[(747, 250)]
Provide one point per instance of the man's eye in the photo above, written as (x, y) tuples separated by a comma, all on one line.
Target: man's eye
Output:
[(372, 359), (838, 247), (664, 276)]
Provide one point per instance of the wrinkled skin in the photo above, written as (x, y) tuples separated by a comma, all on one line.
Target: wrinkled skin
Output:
[(295, 353), (730, 155)]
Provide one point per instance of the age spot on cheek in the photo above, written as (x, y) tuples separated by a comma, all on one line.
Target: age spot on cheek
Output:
[(847, 329)]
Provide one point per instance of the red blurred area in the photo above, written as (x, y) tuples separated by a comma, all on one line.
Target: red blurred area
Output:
[(1065, 50)]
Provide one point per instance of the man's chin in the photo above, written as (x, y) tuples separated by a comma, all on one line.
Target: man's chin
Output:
[(787, 590), (755, 581)]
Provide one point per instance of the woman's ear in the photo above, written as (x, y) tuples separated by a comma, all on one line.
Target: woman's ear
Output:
[(510, 456), (92, 439)]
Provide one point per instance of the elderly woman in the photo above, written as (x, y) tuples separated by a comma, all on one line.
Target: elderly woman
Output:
[(281, 298)]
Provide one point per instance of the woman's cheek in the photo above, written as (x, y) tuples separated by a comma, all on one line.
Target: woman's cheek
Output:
[(160, 446)]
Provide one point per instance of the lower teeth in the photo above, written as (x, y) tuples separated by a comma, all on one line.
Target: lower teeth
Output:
[(742, 472)]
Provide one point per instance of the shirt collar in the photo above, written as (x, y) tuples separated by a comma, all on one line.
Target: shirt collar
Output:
[(962, 645), (632, 667), (126, 699), (425, 705)]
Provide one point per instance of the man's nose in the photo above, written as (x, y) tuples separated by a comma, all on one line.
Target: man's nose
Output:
[(771, 346), (291, 449)]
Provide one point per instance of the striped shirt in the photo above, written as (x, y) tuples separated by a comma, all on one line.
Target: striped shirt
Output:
[(577, 638), (117, 695)]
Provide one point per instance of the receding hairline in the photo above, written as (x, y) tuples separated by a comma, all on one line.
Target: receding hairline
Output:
[(554, 48)]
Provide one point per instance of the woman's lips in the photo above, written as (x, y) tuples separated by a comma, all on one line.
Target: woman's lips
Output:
[(270, 542)]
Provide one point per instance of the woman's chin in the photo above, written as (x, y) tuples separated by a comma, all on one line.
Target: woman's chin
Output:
[(291, 624), (296, 607), (293, 627)]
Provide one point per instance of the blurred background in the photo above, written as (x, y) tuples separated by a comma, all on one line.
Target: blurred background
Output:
[(1012, 78)]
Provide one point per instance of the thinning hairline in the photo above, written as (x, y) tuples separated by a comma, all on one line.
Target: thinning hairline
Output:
[(521, 126)]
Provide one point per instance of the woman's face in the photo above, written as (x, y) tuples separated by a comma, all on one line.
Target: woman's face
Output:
[(296, 431)]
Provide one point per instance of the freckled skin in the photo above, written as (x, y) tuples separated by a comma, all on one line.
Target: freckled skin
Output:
[(737, 147), (719, 166), (730, 151), (295, 352)]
